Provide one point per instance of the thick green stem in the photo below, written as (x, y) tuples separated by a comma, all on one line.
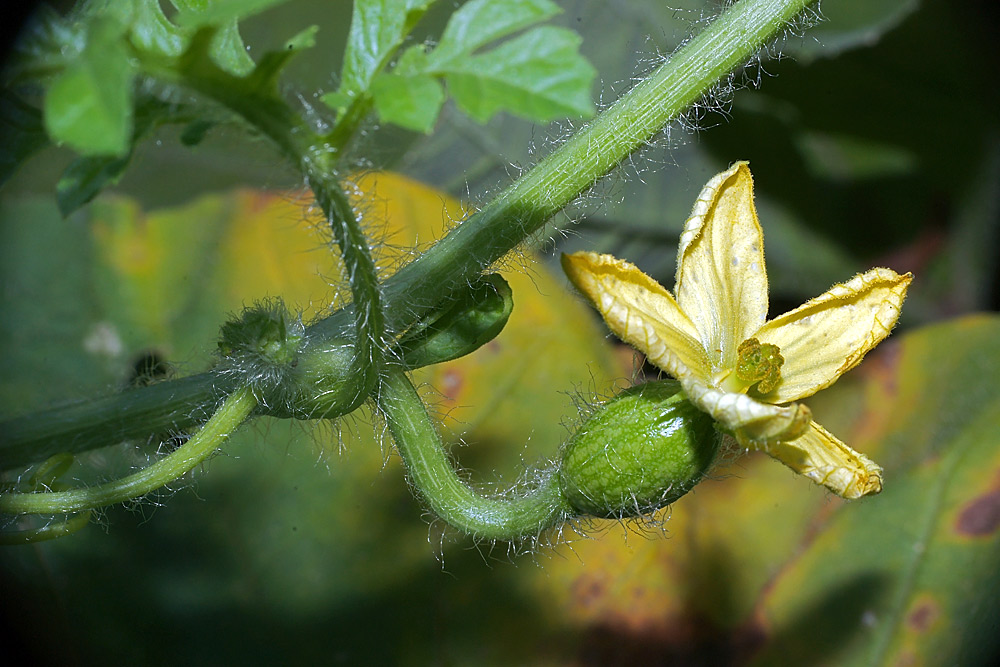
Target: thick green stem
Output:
[(162, 408), (369, 321), (236, 408), (451, 499)]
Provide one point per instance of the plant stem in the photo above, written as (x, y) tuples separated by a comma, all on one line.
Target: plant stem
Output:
[(451, 499), (165, 407), (236, 408)]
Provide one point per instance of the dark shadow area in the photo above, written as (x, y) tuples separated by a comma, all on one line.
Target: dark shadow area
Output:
[(830, 625)]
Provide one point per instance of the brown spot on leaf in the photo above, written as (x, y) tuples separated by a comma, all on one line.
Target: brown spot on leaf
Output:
[(923, 616), (588, 592), (981, 516)]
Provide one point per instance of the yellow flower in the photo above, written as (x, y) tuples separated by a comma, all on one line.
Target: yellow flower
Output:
[(744, 371)]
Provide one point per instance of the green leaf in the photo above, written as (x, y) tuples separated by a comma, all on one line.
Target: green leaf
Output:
[(413, 102), (480, 22), (227, 48), (152, 31), (89, 105), (378, 27), (539, 75), (86, 176), (200, 13)]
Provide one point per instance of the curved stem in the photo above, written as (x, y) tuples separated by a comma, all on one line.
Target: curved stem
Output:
[(369, 321), (164, 407), (317, 159), (236, 408), (433, 474), (50, 531)]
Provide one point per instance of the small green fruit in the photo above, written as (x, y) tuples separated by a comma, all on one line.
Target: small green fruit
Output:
[(641, 451)]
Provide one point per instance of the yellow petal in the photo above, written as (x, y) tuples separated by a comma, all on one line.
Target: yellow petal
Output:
[(826, 460), (754, 424), (639, 311), (721, 280), (829, 335)]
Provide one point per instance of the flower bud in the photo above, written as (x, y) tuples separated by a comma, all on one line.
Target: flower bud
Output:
[(642, 450)]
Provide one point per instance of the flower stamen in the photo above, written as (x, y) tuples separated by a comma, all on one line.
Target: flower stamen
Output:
[(759, 365)]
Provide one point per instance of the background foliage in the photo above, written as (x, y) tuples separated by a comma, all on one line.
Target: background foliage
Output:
[(868, 147)]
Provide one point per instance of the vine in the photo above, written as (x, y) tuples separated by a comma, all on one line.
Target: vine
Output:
[(437, 307)]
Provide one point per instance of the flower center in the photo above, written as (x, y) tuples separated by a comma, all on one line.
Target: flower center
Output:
[(759, 365)]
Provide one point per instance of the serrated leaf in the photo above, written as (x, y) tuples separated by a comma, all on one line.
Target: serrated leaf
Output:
[(539, 75), (412, 102), (89, 105), (378, 27), (480, 22), (152, 31)]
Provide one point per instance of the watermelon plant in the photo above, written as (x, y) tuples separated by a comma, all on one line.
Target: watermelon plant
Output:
[(369, 314)]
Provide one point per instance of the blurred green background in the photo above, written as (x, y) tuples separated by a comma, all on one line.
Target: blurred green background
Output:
[(873, 140)]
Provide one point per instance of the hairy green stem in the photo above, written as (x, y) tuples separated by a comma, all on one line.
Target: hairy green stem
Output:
[(317, 159), (236, 408), (163, 408), (369, 321), (51, 531), (451, 499)]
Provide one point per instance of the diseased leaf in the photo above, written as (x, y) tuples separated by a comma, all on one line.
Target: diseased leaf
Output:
[(892, 578)]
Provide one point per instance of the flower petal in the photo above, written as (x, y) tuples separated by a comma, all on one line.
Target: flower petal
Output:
[(721, 280), (639, 311), (754, 424), (826, 460), (828, 336)]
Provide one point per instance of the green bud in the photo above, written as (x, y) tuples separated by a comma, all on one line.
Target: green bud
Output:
[(265, 333), (641, 451), (473, 319)]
